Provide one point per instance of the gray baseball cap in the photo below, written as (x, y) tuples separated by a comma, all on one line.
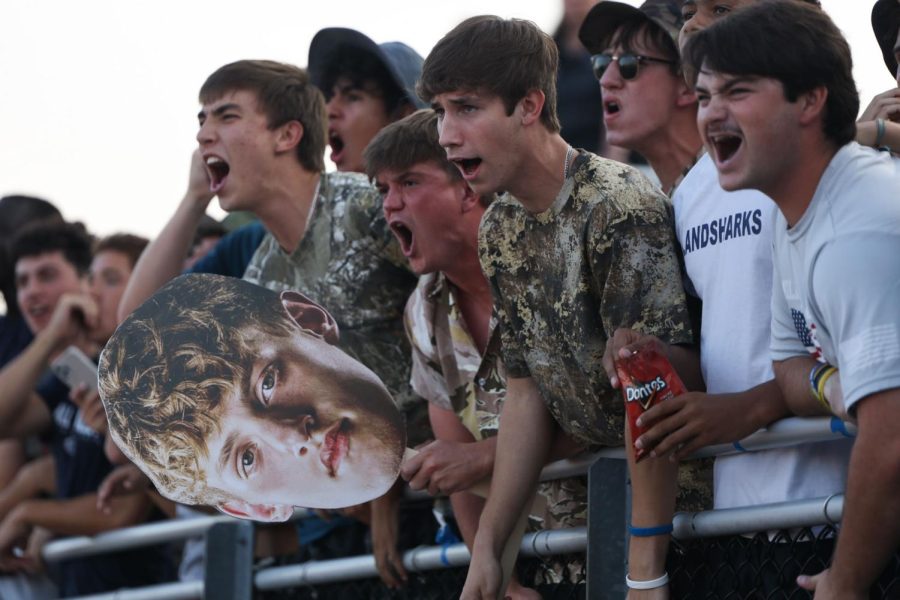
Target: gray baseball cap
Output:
[(402, 62), (605, 18)]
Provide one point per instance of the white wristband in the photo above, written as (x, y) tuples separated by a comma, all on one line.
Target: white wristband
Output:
[(649, 584)]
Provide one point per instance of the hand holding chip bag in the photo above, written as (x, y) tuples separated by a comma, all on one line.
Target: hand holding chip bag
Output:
[(647, 378)]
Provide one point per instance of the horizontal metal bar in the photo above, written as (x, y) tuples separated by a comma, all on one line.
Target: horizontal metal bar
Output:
[(183, 590), (762, 517), (543, 543), (783, 433), (731, 521), (130, 537), (787, 432)]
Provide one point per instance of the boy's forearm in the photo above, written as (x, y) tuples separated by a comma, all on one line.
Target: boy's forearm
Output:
[(526, 432), (79, 516), (467, 510), (19, 378), (792, 376), (765, 404), (870, 527), (164, 257)]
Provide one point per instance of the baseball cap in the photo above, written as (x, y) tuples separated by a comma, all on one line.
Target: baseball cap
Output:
[(885, 24), (606, 17), (402, 62)]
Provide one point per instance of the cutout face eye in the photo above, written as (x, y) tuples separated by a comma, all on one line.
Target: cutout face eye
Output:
[(268, 381), (247, 461)]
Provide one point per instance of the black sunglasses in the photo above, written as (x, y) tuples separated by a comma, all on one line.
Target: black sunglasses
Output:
[(629, 64)]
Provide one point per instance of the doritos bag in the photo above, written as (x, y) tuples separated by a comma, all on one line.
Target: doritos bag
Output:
[(647, 378)]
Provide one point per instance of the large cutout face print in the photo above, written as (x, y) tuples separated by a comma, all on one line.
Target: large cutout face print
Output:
[(228, 394)]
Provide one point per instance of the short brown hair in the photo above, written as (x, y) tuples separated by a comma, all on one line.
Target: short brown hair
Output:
[(130, 245), (284, 94), (506, 57), (41, 237), (163, 379), (407, 142)]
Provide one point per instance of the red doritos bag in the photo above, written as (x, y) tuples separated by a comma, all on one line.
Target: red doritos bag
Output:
[(647, 378)]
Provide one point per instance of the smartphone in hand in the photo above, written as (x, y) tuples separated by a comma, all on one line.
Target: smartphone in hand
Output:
[(73, 367)]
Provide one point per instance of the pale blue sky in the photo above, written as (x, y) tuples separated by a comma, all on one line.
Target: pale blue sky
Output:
[(98, 109)]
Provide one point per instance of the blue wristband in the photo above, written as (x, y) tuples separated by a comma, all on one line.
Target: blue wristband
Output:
[(446, 538), (650, 531)]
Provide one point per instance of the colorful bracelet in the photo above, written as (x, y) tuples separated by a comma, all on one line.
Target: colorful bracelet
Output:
[(818, 375)]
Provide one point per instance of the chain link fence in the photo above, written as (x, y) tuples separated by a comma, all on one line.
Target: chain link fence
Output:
[(764, 566), (761, 567)]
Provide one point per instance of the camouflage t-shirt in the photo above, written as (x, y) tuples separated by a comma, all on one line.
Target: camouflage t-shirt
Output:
[(449, 371), (601, 257), (350, 263), (447, 368)]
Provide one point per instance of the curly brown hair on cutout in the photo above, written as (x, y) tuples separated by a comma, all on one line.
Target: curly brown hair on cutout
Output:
[(170, 366)]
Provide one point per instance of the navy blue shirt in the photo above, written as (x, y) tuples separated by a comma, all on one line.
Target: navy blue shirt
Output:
[(231, 255), (81, 465), (14, 337)]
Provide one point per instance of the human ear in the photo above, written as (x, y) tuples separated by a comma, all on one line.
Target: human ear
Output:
[(289, 135), (686, 95), (532, 104), (812, 105), (470, 199), (269, 513), (309, 316)]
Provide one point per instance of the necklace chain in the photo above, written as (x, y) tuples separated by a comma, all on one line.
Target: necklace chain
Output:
[(569, 152)]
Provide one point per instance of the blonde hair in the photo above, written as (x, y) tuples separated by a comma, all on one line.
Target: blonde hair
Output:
[(170, 367)]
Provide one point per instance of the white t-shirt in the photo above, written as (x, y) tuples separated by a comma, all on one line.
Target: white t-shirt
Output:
[(726, 238), (839, 274)]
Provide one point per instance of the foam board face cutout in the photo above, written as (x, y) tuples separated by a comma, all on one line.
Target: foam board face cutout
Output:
[(234, 396)]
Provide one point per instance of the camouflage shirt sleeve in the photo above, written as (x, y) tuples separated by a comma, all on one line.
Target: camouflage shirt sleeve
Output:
[(642, 290), (427, 378)]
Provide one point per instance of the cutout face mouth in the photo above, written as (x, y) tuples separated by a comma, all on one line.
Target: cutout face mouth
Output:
[(335, 446), (404, 235), (218, 171), (726, 145)]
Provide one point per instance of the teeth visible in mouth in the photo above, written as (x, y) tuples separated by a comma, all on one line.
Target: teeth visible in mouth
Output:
[(611, 107), (218, 170), (468, 165), (404, 235), (726, 145)]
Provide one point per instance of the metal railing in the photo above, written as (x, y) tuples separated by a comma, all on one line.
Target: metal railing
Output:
[(605, 524)]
